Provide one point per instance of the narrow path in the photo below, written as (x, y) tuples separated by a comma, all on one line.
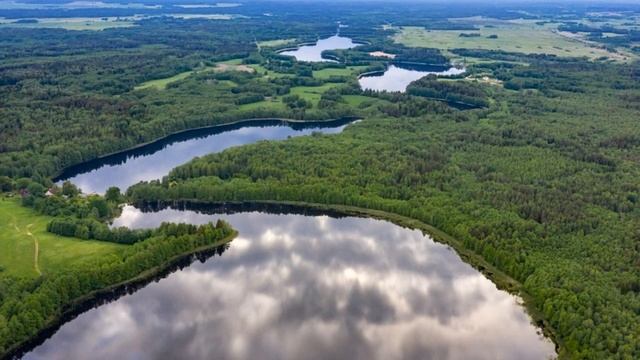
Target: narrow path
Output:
[(37, 250), (15, 225)]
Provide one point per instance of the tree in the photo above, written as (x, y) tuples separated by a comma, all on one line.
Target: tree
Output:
[(36, 189), (99, 205), (6, 184), (113, 194), (70, 189)]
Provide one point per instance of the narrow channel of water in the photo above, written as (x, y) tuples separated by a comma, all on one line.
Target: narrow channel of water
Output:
[(295, 286), (155, 160)]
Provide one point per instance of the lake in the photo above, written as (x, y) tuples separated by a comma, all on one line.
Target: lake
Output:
[(155, 160), (398, 76), (306, 286), (313, 53)]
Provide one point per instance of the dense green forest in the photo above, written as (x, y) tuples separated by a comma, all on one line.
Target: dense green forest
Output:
[(538, 174), (543, 184)]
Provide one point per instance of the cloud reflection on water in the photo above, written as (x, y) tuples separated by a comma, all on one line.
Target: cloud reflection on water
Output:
[(313, 53), (396, 78), (155, 166), (293, 287)]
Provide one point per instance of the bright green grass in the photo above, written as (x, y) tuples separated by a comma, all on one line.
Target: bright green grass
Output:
[(309, 93), (357, 100), (329, 72), (72, 24), (21, 227), (312, 93), (520, 37), (161, 84)]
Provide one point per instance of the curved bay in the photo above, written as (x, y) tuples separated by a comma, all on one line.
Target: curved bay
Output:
[(313, 53), (155, 160), (312, 287), (397, 77)]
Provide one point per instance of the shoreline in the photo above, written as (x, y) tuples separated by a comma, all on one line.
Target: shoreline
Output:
[(455, 104), (102, 296), (502, 281), (57, 175)]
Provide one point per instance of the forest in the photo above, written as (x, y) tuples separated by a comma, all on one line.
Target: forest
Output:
[(519, 183), (529, 160)]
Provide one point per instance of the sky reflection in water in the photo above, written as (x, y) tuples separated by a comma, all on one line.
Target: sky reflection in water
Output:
[(155, 166), (313, 53), (296, 287), (397, 78)]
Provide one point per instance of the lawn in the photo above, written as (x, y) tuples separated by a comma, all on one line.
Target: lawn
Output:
[(21, 229), (523, 37)]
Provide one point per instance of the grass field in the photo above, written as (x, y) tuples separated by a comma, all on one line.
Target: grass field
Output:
[(312, 93), (329, 72), (94, 24), (22, 230), (161, 84), (524, 37)]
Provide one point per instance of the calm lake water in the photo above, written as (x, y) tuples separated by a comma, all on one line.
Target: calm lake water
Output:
[(313, 53), (157, 159), (398, 77), (306, 287)]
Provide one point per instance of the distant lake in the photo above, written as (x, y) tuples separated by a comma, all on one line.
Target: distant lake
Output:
[(313, 53), (312, 286), (155, 160), (397, 77)]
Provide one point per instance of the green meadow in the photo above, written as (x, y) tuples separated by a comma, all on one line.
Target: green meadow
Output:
[(522, 37), (27, 249)]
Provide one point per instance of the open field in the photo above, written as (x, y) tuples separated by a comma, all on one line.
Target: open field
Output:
[(21, 230), (329, 72), (274, 43), (524, 37), (268, 73), (161, 84), (312, 93), (621, 21), (94, 24)]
